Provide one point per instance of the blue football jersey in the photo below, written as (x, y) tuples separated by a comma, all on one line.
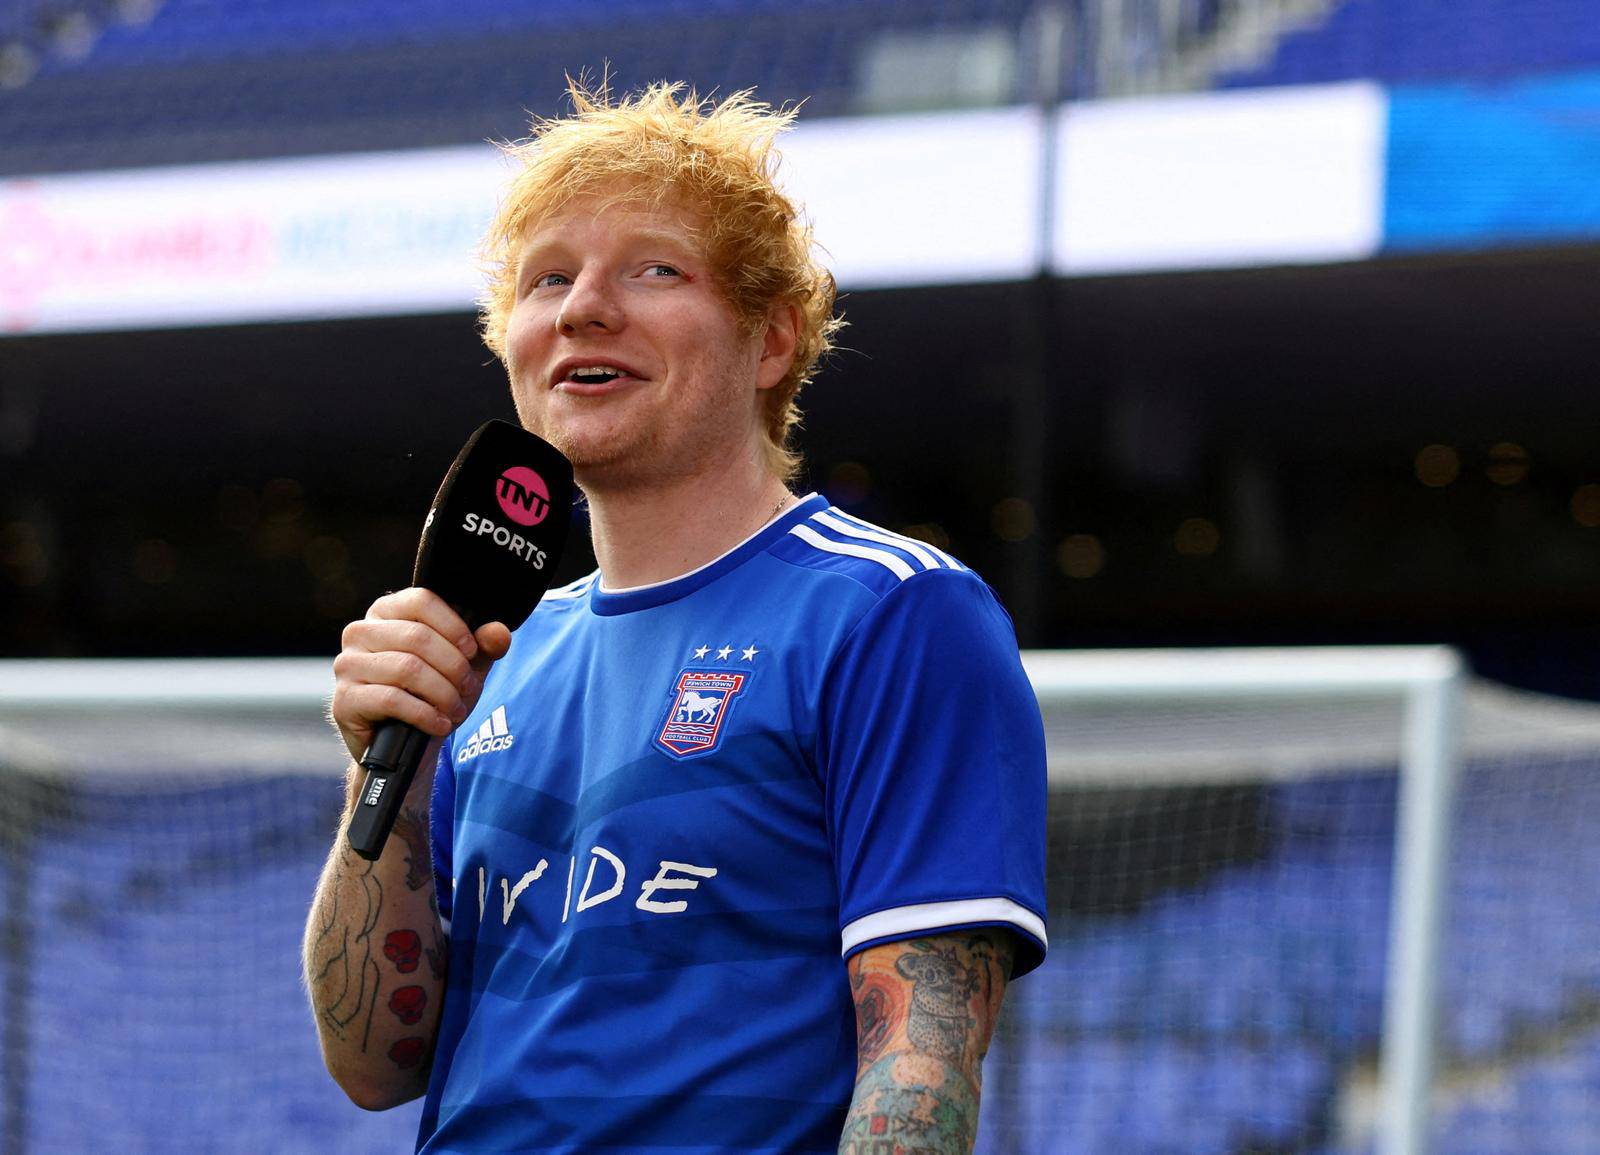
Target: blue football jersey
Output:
[(676, 808)]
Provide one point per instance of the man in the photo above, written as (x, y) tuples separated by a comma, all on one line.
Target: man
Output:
[(764, 736)]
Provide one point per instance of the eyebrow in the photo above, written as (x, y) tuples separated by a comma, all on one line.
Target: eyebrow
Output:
[(645, 237), (664, 237)]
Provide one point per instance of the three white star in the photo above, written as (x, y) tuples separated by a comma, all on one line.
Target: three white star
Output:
[(747, 654)]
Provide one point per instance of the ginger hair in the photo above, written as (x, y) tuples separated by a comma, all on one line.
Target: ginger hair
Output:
[(716, 159)]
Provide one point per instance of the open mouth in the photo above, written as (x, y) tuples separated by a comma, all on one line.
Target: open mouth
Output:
[(594, 375)]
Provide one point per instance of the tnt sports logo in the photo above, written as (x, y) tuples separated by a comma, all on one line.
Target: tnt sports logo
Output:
[(694, 720), (523, 495)]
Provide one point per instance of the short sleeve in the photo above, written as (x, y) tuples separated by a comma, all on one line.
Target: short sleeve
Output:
[(441, 834), (931, 750)]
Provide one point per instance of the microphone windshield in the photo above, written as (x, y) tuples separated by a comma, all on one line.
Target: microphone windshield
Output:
[(496, 529)]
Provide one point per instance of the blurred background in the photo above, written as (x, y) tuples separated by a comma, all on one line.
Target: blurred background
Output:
[(1252, 363), (1184, 322)]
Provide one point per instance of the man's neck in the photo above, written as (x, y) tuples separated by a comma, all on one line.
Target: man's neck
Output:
[(648, 534)]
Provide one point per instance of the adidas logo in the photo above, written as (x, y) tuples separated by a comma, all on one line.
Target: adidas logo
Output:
[(493, 735)]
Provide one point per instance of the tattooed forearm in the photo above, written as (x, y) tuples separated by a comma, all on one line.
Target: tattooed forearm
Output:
[(925, 1010), (910, 1104), (375, 959), (340, 964)]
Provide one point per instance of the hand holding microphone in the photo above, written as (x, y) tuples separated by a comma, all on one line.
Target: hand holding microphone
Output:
[(413, 660), (412, 669)]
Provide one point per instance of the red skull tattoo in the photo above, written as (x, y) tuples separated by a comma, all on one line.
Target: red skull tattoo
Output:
[(403, 948)]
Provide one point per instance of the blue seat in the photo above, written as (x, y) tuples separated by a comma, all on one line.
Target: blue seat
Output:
[(1218, 1018), (1417, 40)]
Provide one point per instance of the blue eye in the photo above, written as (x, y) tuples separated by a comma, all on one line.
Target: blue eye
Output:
[(669, 270), (545, 280)]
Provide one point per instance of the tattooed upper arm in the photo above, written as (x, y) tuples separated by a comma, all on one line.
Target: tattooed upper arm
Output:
[(925, 1011)]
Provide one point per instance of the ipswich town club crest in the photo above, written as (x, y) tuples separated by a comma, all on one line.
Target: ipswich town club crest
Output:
[(694, 720)]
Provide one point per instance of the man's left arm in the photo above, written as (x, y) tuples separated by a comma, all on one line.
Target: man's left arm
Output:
[(925, 1010)]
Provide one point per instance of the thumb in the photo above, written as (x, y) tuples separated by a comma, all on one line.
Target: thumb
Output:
[(494, 639)]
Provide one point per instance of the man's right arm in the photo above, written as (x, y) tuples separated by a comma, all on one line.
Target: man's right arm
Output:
[(374, 953)]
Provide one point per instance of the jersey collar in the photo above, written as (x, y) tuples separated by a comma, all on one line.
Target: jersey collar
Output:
[(609, 602)]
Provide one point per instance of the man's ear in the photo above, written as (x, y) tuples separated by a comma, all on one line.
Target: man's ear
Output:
[(778, 342)]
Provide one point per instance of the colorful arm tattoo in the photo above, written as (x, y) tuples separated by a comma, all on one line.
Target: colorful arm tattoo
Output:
[(925, 1010)]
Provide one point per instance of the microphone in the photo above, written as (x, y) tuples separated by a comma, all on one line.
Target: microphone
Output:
[(489, 547)]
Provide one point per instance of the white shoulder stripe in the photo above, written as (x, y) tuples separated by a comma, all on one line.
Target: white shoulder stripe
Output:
[(889, 561), (927, 560), (937, 916), (574, 590), (907, 542)]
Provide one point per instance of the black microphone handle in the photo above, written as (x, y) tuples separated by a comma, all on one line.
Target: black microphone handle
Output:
[(390, 762)]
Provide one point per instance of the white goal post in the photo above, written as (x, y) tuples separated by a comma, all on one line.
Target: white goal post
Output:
[(1427, 682)]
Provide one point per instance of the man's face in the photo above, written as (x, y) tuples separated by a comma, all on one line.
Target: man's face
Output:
[(623, 354)]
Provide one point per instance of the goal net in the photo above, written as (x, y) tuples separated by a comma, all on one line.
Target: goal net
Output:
[(1223, 977), (162, 827), (1222, 877)]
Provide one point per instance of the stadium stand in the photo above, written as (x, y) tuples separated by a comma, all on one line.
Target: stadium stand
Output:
[(1219, 1017), (1512, 1110), (149, 943), (194, 30), (233, 79), (1418, 40), (1224, 1017), (135, 83)]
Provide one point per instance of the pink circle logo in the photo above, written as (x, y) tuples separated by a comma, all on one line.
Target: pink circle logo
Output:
[(524, 497)]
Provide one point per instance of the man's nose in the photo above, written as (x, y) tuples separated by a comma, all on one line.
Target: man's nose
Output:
[(589, 305)]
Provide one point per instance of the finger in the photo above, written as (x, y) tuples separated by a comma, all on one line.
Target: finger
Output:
[(360, 707), (416, 677), (364, 687), (493, 642), (381, 636), (421, 605)]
